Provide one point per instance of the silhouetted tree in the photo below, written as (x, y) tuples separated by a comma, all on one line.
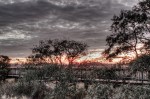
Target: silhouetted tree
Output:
[(55, 51), (4, 64), (130, 30)]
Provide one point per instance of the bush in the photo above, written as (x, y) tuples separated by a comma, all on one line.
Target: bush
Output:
[(46, 72), (105, 73), (101, 91)]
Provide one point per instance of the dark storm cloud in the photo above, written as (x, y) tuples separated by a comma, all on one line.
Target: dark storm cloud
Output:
[(24, 11), (33, 10), (24, 23)]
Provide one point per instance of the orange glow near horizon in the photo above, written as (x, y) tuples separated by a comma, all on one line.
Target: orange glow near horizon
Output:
[(92, 56), (17, 60)]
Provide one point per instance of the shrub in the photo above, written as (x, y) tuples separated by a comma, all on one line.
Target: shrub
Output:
[(105, 73)]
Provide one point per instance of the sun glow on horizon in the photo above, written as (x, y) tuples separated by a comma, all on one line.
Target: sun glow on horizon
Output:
[(91, 56), (18, 60)]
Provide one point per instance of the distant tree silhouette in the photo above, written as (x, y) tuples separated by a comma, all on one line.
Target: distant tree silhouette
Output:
[(4, 64), (55, 50), (129, 29)]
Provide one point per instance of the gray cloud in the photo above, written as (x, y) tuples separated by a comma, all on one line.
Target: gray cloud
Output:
[(24, 23), (24, 11)]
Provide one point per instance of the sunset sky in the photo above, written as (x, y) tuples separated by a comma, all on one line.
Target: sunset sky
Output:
[(24, 22)]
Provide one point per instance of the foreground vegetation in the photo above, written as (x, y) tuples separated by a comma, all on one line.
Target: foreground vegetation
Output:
[(37, 90), (39, 84)]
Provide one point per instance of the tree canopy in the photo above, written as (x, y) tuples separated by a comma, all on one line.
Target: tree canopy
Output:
[(4, 64), (4, 61), (57, 50), (130, 31)]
